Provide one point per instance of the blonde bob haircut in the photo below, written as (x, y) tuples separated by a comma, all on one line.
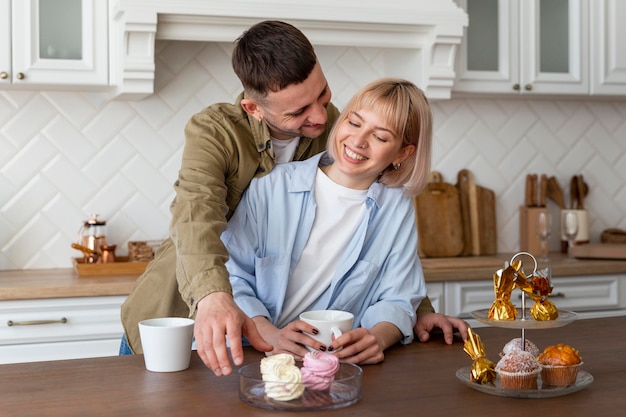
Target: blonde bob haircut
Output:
[(406, 110)]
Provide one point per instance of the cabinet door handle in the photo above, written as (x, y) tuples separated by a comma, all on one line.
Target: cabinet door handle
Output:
[(528, 87), (4, 75), (35, 322), (20, 76)]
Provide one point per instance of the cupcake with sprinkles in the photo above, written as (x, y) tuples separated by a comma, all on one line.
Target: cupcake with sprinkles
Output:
[(518, 369)]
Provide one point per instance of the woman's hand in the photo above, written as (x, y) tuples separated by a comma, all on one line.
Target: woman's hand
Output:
[(290, 339), (432, 321), (365, 346)]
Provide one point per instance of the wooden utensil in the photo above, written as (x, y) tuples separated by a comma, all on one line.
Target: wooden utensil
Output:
[(573, 193), (543, 190), (534, 191), (438, 218), (555, 193), (581, 191)]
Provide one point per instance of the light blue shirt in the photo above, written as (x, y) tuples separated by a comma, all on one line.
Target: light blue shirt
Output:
[(379, 277)]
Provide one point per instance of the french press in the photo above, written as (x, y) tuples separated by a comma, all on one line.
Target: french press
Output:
[(92, 234)]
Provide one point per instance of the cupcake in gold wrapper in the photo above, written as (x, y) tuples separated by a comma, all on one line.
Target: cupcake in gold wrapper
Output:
[(482, 369)]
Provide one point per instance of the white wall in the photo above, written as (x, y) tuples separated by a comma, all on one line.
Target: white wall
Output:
[(64, 156)]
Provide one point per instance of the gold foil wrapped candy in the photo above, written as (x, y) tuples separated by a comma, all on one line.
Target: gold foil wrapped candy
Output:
[(539, 289), (482, 370), (503, 285)]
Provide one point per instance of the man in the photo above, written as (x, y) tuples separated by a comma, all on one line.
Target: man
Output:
[(284, 114)]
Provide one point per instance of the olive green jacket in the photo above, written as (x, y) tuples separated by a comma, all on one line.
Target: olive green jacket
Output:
[(224, 150)]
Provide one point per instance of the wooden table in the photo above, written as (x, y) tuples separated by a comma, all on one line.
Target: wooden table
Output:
[(414, 380)]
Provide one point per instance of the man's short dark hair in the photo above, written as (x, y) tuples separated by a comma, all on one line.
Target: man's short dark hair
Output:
[(271, 55)]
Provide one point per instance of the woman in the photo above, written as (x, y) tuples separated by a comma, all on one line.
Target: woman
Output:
[(338, 231)]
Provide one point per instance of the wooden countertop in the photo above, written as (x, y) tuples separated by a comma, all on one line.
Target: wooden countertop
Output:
[(414, 379), (60, 283), (482, 267), (57, 283)]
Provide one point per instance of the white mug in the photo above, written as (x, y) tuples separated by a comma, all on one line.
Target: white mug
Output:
[(166, 343), (582, 235), (330, 324)]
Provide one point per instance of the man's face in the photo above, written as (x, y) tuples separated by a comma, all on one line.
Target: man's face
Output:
[(298, 109)]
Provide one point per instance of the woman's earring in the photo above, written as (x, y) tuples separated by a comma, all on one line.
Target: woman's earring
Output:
[(396, 166)]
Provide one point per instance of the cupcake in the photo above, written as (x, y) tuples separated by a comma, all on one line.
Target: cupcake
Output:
[(516, 344), (318, 370), (518, 370), (559, 365)]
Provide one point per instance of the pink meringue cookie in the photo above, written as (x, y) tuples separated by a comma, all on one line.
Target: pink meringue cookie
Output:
[(318, 370)]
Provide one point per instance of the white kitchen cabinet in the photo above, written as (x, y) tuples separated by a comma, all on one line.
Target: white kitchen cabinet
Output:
[(53, 43), (608, 46), (588, 296), (60, 328), (524, 47), (435, 294)]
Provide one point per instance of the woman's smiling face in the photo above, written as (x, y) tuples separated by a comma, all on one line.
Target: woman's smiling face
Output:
[(365, 145)]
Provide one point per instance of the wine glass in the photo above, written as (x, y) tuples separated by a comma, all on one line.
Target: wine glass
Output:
[(544, 229), (570, 230)]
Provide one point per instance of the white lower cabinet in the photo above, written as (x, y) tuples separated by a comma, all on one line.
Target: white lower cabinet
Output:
[(588, 296), (60, 328), (435, 294)]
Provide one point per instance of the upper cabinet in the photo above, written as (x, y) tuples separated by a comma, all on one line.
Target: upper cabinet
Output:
[(54, 43), (608, 46), (525, 47)]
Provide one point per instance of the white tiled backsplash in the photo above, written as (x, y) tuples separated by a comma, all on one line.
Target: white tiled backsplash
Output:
[(64, 156)]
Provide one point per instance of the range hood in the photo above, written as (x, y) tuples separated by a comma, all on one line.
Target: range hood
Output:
[(418, 37)]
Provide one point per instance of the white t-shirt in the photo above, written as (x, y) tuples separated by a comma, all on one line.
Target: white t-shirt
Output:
[(338, 214), (284, 150)]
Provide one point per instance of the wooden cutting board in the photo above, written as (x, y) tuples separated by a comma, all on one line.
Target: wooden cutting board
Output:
[(600, 251), (438, 217), (478, 213)]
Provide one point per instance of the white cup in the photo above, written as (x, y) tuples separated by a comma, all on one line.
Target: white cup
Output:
[(329, 323), (166, 343)]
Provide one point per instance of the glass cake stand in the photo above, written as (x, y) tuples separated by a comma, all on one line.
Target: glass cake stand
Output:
[(525, 321)]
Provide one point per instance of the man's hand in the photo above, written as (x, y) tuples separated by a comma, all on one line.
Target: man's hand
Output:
[(427, 322), (218, 318)]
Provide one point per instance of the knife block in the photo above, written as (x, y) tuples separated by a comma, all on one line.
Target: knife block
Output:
[(528, 241)]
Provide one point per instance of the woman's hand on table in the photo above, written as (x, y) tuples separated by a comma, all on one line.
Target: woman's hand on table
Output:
[(218, 318), (428, 322), (365, 346)]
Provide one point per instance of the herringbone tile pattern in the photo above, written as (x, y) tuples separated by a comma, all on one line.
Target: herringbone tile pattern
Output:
[(65, 155)]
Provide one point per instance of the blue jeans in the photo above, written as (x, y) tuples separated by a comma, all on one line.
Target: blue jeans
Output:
[(124, 347)]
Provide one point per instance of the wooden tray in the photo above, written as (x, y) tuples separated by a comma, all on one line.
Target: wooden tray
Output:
[(600, 250), (121, 266)]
